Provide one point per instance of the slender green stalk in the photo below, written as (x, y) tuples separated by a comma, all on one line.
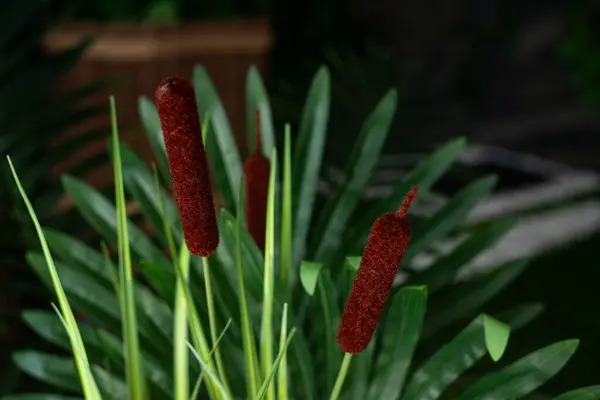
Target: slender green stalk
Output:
[(282, 384), (212, 320), (286, 217), (266, 332), (180, 333), (133, 360), (250, 354), (339, 382)]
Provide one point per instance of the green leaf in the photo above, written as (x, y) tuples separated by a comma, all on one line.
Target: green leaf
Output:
[(330, 316), (309, 275), (139, 183), (354, 262), (308, 156), (162, 280), (96, 301), (430, 380), (449, 216), (151, 123), (359, 168), (496, 336), (468, 297), (523, 376), (287, 274), (585, 393), (101, 215), (257, 99), (400, 340), (75, 252), (424, 175), (57, 371), (445, 268), (223, 151)]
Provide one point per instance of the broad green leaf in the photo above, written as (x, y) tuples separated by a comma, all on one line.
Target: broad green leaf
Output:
[(139, 183), (445, 268), (96, 301), (432, 378), (424, 175), (523, 376), (496, 336), (585, 393), (101, 215), (326, 331), (449, 216), (151, 123), (308, 155), (57, 371), (468, 297), (223, 151), (361, 163), (75, 252), (257, 99), (309, 275), (160, 279), (399, 341)]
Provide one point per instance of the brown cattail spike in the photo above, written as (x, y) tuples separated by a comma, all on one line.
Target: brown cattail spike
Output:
[(180, 123), (386, 245), (257, 171)]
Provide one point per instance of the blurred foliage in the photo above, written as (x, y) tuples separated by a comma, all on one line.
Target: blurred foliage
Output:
[(33, 117), (580, 50)]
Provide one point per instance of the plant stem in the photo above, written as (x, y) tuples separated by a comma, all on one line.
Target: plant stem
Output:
[(339, 382), (212, 320)]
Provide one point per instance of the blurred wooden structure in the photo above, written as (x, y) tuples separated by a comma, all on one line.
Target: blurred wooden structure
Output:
[(142, 55)]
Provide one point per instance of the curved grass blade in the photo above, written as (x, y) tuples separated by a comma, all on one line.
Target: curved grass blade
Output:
[(88, 382), (268, 381), (308, 157), (525, 375), (359, 168), (212, 377), (399, 344), (257, 99)]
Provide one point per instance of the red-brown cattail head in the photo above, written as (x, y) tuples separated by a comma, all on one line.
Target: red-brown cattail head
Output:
[(257, 170), (383, 253), (176, 104)]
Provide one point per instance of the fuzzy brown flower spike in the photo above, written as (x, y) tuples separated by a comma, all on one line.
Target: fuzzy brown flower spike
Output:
[(383, 253), (176, 104), (257, 170)]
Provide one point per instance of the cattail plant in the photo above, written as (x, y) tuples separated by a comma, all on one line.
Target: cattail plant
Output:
[(386, 245), (270, 351), (256, 171), (180, 123)]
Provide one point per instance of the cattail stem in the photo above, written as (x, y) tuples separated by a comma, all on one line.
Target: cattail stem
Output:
[(212, 320), (341, 378)]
